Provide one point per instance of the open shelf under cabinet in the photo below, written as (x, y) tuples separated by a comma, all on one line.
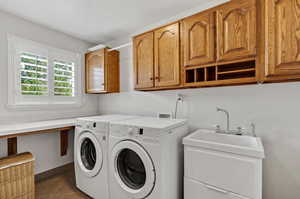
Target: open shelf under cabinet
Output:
[(217, 74)]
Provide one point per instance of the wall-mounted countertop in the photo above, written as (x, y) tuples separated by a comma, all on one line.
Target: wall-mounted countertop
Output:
[(33, 127)]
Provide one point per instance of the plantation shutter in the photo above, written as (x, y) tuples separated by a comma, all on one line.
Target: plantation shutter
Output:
[(34, 75), (64, 78)]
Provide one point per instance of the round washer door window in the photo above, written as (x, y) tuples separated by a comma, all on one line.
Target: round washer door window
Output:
[(134, 170), (89, 154)]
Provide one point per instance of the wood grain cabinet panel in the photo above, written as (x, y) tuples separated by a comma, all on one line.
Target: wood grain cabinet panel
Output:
[(198, 35), (236, 30), (102, 71), (95, 67), (214, 47), (143, 50), (283, 33), (167, 56)]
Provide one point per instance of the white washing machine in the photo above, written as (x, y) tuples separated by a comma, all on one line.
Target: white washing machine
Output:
[(90, 154), (146, 158)]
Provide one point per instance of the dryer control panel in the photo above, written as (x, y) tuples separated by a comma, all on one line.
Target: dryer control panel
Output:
[(138, 132)]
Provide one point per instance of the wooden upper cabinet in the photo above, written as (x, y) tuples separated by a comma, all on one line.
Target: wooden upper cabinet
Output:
[(198, 35), (95, 67), (102, 71), (236, 30), (143, 50), (283, 31), (167, 59)]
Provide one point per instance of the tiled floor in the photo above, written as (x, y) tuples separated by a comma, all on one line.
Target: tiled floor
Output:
[(60, 186)]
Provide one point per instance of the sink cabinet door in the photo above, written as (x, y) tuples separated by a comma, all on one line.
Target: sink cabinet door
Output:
[(283, 29), (197, 190), (238, 174), (198, 34), (236, 30)]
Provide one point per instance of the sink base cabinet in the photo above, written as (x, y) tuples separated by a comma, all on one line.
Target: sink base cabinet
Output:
[(222, 172), (194, 190)]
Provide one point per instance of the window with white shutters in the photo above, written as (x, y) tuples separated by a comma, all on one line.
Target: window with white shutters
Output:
[(42, 75)]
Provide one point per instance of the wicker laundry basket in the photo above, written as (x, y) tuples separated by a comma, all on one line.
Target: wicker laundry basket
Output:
[(17, 177)]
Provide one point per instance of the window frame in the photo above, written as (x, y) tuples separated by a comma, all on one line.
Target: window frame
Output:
[(16, 99)]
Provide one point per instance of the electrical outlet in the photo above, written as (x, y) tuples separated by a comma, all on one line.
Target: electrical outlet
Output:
[(164, 115), (180, 97)]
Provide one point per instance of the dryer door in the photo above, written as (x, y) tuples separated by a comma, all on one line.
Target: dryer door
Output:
[(89, 154), (133, 168)]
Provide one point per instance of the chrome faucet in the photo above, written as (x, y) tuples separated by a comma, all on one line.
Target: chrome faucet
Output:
[(227, 117), (238, 131)]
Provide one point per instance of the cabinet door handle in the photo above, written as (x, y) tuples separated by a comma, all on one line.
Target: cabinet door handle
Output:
[(157, 78), (151, 78), (216, 189)]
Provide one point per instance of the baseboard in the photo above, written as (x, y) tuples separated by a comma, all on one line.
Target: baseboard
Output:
[(56, 171)]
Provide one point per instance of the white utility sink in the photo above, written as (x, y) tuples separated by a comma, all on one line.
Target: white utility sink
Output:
[(243, 145), (222, 166)]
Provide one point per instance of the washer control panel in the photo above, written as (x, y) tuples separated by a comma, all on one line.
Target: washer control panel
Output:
[(97, 126)]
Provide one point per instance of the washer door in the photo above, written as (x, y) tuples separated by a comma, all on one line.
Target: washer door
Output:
[(134, 169), (89, 154)]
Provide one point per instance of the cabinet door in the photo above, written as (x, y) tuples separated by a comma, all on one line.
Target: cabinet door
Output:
[(199, 39), (195, 190), (236, 30), (95, 72), (167, 63), (283, 19), (143, 50)]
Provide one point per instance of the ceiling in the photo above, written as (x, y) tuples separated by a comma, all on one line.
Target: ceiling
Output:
[(97, 21)]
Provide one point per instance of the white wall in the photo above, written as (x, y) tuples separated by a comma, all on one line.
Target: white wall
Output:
[(44, 147), (274, 108)]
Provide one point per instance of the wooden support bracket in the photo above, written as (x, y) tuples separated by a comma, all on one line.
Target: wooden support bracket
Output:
[(12, 146), (64, 142)]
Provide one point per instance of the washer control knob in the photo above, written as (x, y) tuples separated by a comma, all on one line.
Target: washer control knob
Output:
[(141, 131)]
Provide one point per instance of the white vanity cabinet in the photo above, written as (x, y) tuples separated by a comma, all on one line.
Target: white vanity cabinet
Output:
[(218, 166)]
